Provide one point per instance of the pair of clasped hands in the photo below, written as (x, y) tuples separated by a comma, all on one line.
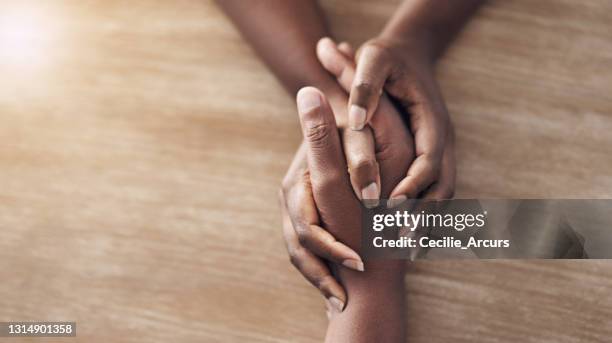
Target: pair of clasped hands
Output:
[(387, 137)]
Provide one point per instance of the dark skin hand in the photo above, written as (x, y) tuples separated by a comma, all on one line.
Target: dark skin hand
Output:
[(401, 62), (306, 240), (365, 318), (407, 49), (284, 34)]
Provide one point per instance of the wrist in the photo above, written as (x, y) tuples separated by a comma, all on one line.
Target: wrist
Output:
[(375, 310), (417, 41), (384, 275)]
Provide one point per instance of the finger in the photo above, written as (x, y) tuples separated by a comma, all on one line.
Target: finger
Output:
[(319, 130), (325, 156), (421, 174), (392, 145), (347, 50), (329, 178), (364, 172), (385, 129), (304, 218), (322, 244), (372, 71), (429, 124), (311, 267), (335, 62), (359, 146), (444, 188)]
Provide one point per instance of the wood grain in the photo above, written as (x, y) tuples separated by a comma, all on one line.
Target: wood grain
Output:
[(140, 161)]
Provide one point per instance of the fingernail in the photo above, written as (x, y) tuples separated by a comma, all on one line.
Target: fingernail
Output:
[(336, 304), (370, 192), (307, 100), (353, 264), (396, 201), (328, 314), (357, 117), (328, 41), (370, 195)]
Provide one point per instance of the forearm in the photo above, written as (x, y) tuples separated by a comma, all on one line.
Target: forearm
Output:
[(430, 24), (284, 33), (374, 310)]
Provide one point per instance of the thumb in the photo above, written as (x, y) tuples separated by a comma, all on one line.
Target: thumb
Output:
[(326, 162), (320, 131)]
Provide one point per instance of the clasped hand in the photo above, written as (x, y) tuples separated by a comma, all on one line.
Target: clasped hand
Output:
[(361, 152)]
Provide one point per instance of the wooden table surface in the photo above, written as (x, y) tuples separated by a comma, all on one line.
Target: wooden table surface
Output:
[(143, 144)]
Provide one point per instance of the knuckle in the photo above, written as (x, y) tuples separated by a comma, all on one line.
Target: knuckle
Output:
[(376, 49), (305, 179), (364, 89), (363, 167), (286, 193), (380, 54), (363, 162), (386, 151), (303, 235), (401, 152), (331, 180), (295, 262), (323, 282), (318, 134), (286, 185), (295, 258), (328, 249)]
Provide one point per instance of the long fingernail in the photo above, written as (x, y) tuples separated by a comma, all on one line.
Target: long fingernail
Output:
[(357, 117), (353, 264), (307, 100), (336, 304), (370, 191), (370, 195), (396, 201)]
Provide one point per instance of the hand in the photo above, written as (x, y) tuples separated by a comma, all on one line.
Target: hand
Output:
[(308, 244), (405, 71), (378, 291)]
